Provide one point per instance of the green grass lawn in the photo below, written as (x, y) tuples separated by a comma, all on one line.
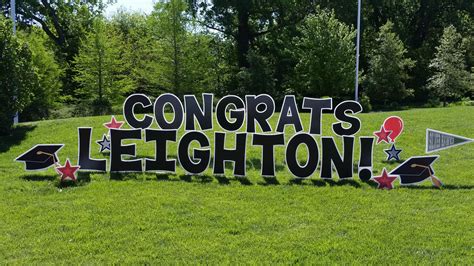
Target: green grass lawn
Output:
[(180, 219)]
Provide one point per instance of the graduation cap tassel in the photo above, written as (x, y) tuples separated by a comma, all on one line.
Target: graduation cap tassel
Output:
[(436, 182), (56, 162)]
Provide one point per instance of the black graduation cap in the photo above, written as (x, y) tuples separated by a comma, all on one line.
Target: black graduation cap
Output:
[(40, 156), (416, 169)]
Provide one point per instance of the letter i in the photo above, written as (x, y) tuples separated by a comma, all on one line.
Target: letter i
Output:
[(366, 154)]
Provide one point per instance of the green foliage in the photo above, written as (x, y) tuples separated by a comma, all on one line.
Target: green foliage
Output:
[(136, 32), (419, 24), (199, 64), (17, 76), (388, 68), (257, 38), (450, 78), (49, 73), (102, 68), (365, 102), (241, 47), (168, 23), (325, 52), (167, 54), (66, 23), (258, 78), (184, 63)]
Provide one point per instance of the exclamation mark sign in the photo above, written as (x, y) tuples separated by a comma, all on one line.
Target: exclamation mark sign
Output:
[(365, 161)]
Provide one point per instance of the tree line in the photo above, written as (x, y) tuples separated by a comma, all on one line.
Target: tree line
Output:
[(68, 59)]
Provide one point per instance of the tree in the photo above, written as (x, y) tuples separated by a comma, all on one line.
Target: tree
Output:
[(183, 62), (136, 34), (17, 76), (246, 20), (325, 52), (55, 17), (46, 92), (64, 22), (450, 78), (199, 64), (253, 64), (101, 66), (169, 24), (388, 68)]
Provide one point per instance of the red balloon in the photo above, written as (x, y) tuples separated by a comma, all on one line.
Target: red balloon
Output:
[(394, 124)]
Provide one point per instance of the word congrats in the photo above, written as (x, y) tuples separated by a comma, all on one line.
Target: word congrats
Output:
[(244, 119)]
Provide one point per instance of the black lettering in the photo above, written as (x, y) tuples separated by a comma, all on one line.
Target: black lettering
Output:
[(268, 142), (237, 155)]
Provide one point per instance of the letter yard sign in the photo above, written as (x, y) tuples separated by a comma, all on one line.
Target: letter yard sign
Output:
[(246, 120)]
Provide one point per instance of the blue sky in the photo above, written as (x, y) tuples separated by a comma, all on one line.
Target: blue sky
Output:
[(135, 5)]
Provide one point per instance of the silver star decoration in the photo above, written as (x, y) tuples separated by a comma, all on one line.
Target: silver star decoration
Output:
[(104, 143), (393, 153)]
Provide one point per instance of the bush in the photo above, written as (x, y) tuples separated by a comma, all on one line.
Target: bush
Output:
[(450, 81), (432, 102), (388, 69), (46, 92), (365, 102), (102, 68), (325, 53), (17, 76), (101, 106), (62, 111), (466, 101)]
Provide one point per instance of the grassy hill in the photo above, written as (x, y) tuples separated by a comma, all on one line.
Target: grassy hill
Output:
[(143, 218)]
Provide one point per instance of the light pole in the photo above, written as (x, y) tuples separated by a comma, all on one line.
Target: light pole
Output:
[(13, 16), (357, 52)]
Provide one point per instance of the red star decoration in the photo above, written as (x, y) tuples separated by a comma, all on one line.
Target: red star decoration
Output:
[(67, 171), (385, 181), (113, 124), (382, 135)]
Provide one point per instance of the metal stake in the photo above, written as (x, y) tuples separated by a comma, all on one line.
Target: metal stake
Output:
[(357, 53)]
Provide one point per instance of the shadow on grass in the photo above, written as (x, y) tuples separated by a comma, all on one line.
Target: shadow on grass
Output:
[(67, 184), (83, 178), (204, 178), (445, 187), (269, 181), (392, 162), (319, 182), (222, 180), (163, 177), (255, 163), (244, 180), (297, 181), (342, 182), (37, 177), (325, 182), (273, 181), (371, 183), (15, 138), (124, 176)]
